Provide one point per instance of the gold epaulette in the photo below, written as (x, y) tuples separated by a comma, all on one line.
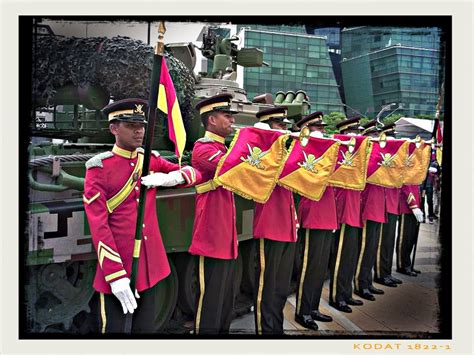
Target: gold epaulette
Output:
[(206, 186)]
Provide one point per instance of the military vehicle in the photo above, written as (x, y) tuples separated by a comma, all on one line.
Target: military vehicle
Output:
[(73, 78)]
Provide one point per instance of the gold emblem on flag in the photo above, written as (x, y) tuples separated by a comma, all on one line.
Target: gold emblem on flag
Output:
[(255, 157), (348, 159), (387, 160), (309, 163), (409, 161)]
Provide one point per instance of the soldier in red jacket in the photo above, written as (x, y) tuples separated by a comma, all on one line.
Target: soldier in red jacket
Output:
[(274, 228), (319, 218), (214, 232), (344, 257), (373, 216), (408, 227), (384, 258), (111, 191)]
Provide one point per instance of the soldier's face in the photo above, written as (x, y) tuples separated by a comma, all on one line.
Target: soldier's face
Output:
[(128, 135), (314, 128), (278, 125), (220, 123)]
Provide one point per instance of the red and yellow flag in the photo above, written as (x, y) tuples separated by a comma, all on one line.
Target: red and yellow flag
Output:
[(251, 166), (439, 143), (352, 159), (308, 168), (387, 163), (168, 104), (416, 163)]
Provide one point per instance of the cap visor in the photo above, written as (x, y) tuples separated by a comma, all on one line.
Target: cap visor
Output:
[(129, 119)]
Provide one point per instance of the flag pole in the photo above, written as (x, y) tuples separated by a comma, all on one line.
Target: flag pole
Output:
[(152, 103)]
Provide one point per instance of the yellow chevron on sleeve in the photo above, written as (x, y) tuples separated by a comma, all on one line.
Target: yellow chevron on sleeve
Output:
[(411, 197), (92, 199), (104, 251), (115, 275)]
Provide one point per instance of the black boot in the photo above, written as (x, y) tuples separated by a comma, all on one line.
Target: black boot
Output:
[(317, 315), (306, 321)]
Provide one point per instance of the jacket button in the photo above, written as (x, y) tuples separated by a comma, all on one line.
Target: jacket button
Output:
[(138, 200), (145, 237), (143, 225), (137, 188), (132, 164)]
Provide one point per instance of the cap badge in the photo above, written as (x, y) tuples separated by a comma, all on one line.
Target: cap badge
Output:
[(138, 109)]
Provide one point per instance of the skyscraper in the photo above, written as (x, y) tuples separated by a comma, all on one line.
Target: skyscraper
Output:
[(382, 65), (297, 61)]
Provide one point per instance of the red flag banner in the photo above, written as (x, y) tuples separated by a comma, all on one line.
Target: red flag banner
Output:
[(168, 104), (352, 159), (439, 143), (416, 163), (387, 164), (251, 166), (308, 168)]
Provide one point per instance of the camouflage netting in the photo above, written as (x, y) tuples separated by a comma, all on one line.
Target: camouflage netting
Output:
[(122, 66)]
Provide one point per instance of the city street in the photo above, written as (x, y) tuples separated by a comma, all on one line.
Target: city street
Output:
[(403, 311)]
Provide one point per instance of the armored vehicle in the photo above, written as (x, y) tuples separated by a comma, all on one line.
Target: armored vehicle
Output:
[(73, 79)]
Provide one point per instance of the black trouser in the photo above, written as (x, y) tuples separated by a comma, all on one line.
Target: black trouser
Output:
[(317, 247), (429, 198), (274, 269), (344, 263), (384, 260), (426, 194), (367, 255), (145, 317), (407, 234), (215, 296)]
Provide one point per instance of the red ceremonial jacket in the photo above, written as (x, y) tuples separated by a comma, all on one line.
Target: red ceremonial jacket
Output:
[(276, 219), (373, 204), (348, 207), (214, 230), (392, 200), (320, 214), (111, 196), (409, 198)]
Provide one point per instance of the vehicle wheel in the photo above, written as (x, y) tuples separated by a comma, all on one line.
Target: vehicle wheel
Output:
[(56, 293)]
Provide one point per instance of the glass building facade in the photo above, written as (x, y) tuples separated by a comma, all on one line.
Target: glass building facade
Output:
[(333, 40), (297, 61), (384, 65)]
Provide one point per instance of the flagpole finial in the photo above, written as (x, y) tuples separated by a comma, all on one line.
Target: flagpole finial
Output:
[(160, 44)]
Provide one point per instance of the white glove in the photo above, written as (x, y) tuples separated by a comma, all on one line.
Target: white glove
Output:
[(121, 289), (432, 170), (317, 134), (160, 179), (266, 126), (262, 125), (418, 214)]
